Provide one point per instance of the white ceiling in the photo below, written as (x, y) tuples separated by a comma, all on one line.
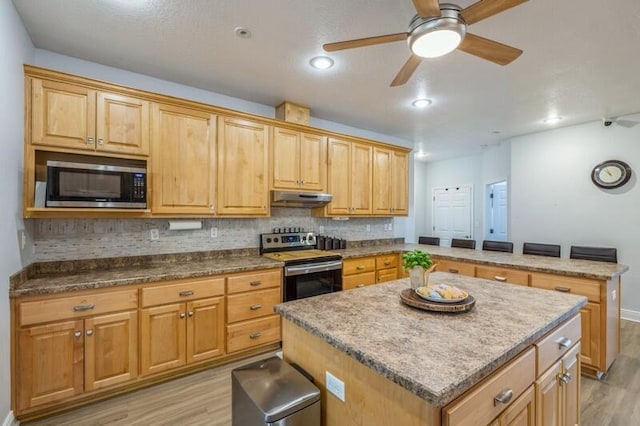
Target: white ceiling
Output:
[(581, 60)]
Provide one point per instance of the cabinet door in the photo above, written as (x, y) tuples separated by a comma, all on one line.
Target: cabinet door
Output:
[(338, 179), (382, 181), (313, 162), (522, 412), (205, 329), (122, 124), (549, 397), (50, 363), (111, 349), (162, 338), (590, 340), (285, 155), (571, 405), (183, 160), (400, 183), (361, 179), (243, 187), (63, 115)]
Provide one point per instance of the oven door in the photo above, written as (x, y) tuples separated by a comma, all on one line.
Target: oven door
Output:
[(312, 279)]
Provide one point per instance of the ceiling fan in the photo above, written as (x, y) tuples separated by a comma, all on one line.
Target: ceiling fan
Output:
[(438, 29)]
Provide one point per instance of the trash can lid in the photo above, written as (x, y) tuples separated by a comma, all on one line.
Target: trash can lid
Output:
[(276, 388)]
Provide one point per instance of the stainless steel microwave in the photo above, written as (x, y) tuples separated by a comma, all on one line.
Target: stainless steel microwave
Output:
[(95, 185)]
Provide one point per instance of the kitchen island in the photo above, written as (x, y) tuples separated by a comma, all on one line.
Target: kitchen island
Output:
[(401, 365)]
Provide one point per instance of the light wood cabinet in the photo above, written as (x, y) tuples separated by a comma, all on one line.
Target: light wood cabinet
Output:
[(390, 182), (65, 115), (177, 333), (455, 267), (298, 160), (61, 359), (183, 161), (521, 413), (363, 271), (243, 155), (504, 275), (349, 178), (558, 392)]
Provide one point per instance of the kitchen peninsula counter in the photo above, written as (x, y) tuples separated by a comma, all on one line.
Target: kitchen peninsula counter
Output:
[(434, 356)]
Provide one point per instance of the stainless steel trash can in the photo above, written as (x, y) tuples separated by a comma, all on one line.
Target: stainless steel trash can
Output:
[(271, 392)]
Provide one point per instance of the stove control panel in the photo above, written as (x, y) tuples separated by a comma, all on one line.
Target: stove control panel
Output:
[(289, 240)]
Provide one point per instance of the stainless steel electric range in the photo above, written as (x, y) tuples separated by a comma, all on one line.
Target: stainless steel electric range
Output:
[(307, 271)]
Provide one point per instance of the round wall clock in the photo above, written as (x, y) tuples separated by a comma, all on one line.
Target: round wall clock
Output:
[(611, 174)]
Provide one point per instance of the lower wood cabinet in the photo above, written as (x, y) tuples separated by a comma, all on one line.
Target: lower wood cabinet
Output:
[(505, 275), (521, 413), (363, 271), (455, 267)]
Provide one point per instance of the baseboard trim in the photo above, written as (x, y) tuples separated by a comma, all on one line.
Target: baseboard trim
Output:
[(628, 314), (10, 420)]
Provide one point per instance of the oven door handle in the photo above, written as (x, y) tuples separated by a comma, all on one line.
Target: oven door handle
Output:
[(309, 269)]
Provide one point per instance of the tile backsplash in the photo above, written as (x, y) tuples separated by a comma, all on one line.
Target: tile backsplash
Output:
[(69, 239)]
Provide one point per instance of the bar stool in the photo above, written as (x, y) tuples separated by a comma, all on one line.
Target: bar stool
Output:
[(432, 241), (462, 243), (599, 254), (550, 250), (503, 246)]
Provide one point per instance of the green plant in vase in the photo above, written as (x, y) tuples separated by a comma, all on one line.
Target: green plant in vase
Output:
[(419, 264)]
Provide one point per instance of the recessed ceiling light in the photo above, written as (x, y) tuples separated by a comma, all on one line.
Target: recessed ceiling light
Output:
[(552, 120), (321, 62), (421, 103), (421, 154), (242, 32)]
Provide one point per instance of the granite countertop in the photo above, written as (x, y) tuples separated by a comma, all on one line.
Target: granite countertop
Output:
[(437, 356), (52, 282), (553, 265)]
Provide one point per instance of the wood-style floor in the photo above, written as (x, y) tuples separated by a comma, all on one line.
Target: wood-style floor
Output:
[(205, 398)]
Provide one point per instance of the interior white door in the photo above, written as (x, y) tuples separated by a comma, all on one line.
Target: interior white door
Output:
[(497, 211), (452, 213)]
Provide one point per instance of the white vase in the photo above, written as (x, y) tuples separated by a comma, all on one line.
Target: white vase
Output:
[(417, 277)]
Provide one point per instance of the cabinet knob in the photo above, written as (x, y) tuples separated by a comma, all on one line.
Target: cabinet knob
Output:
[(387, 263), (211, 207), (89, 332), (190, 314), (89, 141), (182, 315), (503, 397), (564, 343), (565, 377), (100, 141), (78, 334)]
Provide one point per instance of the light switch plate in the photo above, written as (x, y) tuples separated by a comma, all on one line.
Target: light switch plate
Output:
[(335, 385), (214, 232), (154, 234)]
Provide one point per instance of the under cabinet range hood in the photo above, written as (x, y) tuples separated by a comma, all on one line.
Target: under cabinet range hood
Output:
[(299, 199)]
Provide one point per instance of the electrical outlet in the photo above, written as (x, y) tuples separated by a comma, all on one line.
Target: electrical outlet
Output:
[(214, 232), (154, 234), (335, 385), (321, 229), (368, 228), (391, 226)]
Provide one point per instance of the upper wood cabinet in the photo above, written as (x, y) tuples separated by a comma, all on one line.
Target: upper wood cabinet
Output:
[(298, 160), (243, 159), (390, 182), (349, 178), (183, 161), (69, 116)]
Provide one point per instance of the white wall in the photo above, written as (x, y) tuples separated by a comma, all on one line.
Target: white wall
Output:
[(554, 200), (16, 48)]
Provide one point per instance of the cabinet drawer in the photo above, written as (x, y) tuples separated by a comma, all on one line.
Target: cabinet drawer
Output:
[(77, 306), (253, 333), (251, 305), (556, 344), (387, 261), (385, 275), (478, 407), (581, 286), (256, 281), (358, 266), (182, 291), (511, 276), (358, 280), (454, 267)]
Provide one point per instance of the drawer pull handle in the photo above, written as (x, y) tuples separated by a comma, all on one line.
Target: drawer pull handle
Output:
[(453, 270), (255, 283), (255, 335), (87, 307), (359, 267), (564, 343), (89, 332), (77, 334), (186, 293), (360, 285), (499, 278), (387, 263), (564, 378), (255, 307), (503, 397), (563, 289)]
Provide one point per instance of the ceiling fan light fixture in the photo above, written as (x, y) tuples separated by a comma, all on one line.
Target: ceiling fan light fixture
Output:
[(437, 36)]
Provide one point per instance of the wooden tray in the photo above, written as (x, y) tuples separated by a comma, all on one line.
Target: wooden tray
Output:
[(409, 297)]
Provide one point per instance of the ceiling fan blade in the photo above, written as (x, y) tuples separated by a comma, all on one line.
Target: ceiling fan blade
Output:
[(361, 42), (486, 8), (490, 50), (407, 71), (427, 8)]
